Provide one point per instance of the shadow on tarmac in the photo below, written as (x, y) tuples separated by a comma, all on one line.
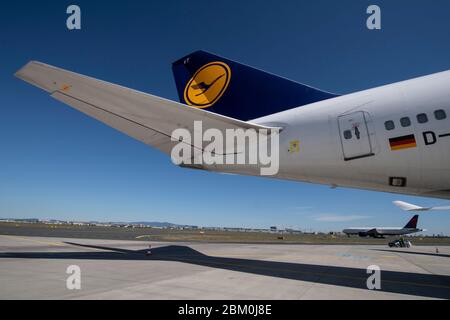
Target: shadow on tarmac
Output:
[(417, 284), (415, 252)]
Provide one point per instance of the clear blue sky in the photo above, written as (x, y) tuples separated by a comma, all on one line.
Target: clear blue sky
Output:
[(58, 163)]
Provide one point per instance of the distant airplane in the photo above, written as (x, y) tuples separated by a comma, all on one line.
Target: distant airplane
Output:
[(412, 207), (394, 138), (381, 232)]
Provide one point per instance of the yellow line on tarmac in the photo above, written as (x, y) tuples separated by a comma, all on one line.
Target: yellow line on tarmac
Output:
[(55, 244)]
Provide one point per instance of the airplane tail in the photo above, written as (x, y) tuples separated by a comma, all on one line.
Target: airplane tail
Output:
[(412, 207), (235, 90), (412, 224)]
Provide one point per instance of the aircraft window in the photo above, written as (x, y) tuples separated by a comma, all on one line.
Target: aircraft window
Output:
[(422, 118), (389, 125), (405, 122), (440, 114), (347, 134)]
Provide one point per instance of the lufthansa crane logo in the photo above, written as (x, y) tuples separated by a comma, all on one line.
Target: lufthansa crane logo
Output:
[(207, 85)]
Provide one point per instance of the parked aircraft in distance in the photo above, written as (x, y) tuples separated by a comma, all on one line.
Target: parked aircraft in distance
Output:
[(381, 232)]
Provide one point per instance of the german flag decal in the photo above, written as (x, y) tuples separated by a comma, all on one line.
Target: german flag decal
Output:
[(403, 142)]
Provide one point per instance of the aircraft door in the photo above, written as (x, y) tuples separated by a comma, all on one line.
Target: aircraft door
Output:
[(355, 137)]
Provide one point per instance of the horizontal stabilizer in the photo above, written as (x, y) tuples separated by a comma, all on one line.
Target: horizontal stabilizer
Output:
[(147, 118)]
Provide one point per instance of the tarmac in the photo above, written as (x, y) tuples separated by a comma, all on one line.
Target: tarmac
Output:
[(36, 268)]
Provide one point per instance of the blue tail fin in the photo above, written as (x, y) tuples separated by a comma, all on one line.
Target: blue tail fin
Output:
[(412, 224), (235, 90)]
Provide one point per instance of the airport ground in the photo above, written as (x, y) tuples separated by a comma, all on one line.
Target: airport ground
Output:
[(35, 267), (193, 235)]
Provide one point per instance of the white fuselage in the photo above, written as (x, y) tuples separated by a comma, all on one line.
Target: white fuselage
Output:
[(381, 231), (345, 141)]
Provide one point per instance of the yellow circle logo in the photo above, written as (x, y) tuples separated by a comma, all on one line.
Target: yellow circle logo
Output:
[(207, 85)]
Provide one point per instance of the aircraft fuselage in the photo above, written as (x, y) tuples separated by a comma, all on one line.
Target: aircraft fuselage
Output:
[(380, 232), (394, 138)]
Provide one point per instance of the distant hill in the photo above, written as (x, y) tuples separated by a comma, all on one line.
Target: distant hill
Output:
[(144, 223), (156, 224)]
